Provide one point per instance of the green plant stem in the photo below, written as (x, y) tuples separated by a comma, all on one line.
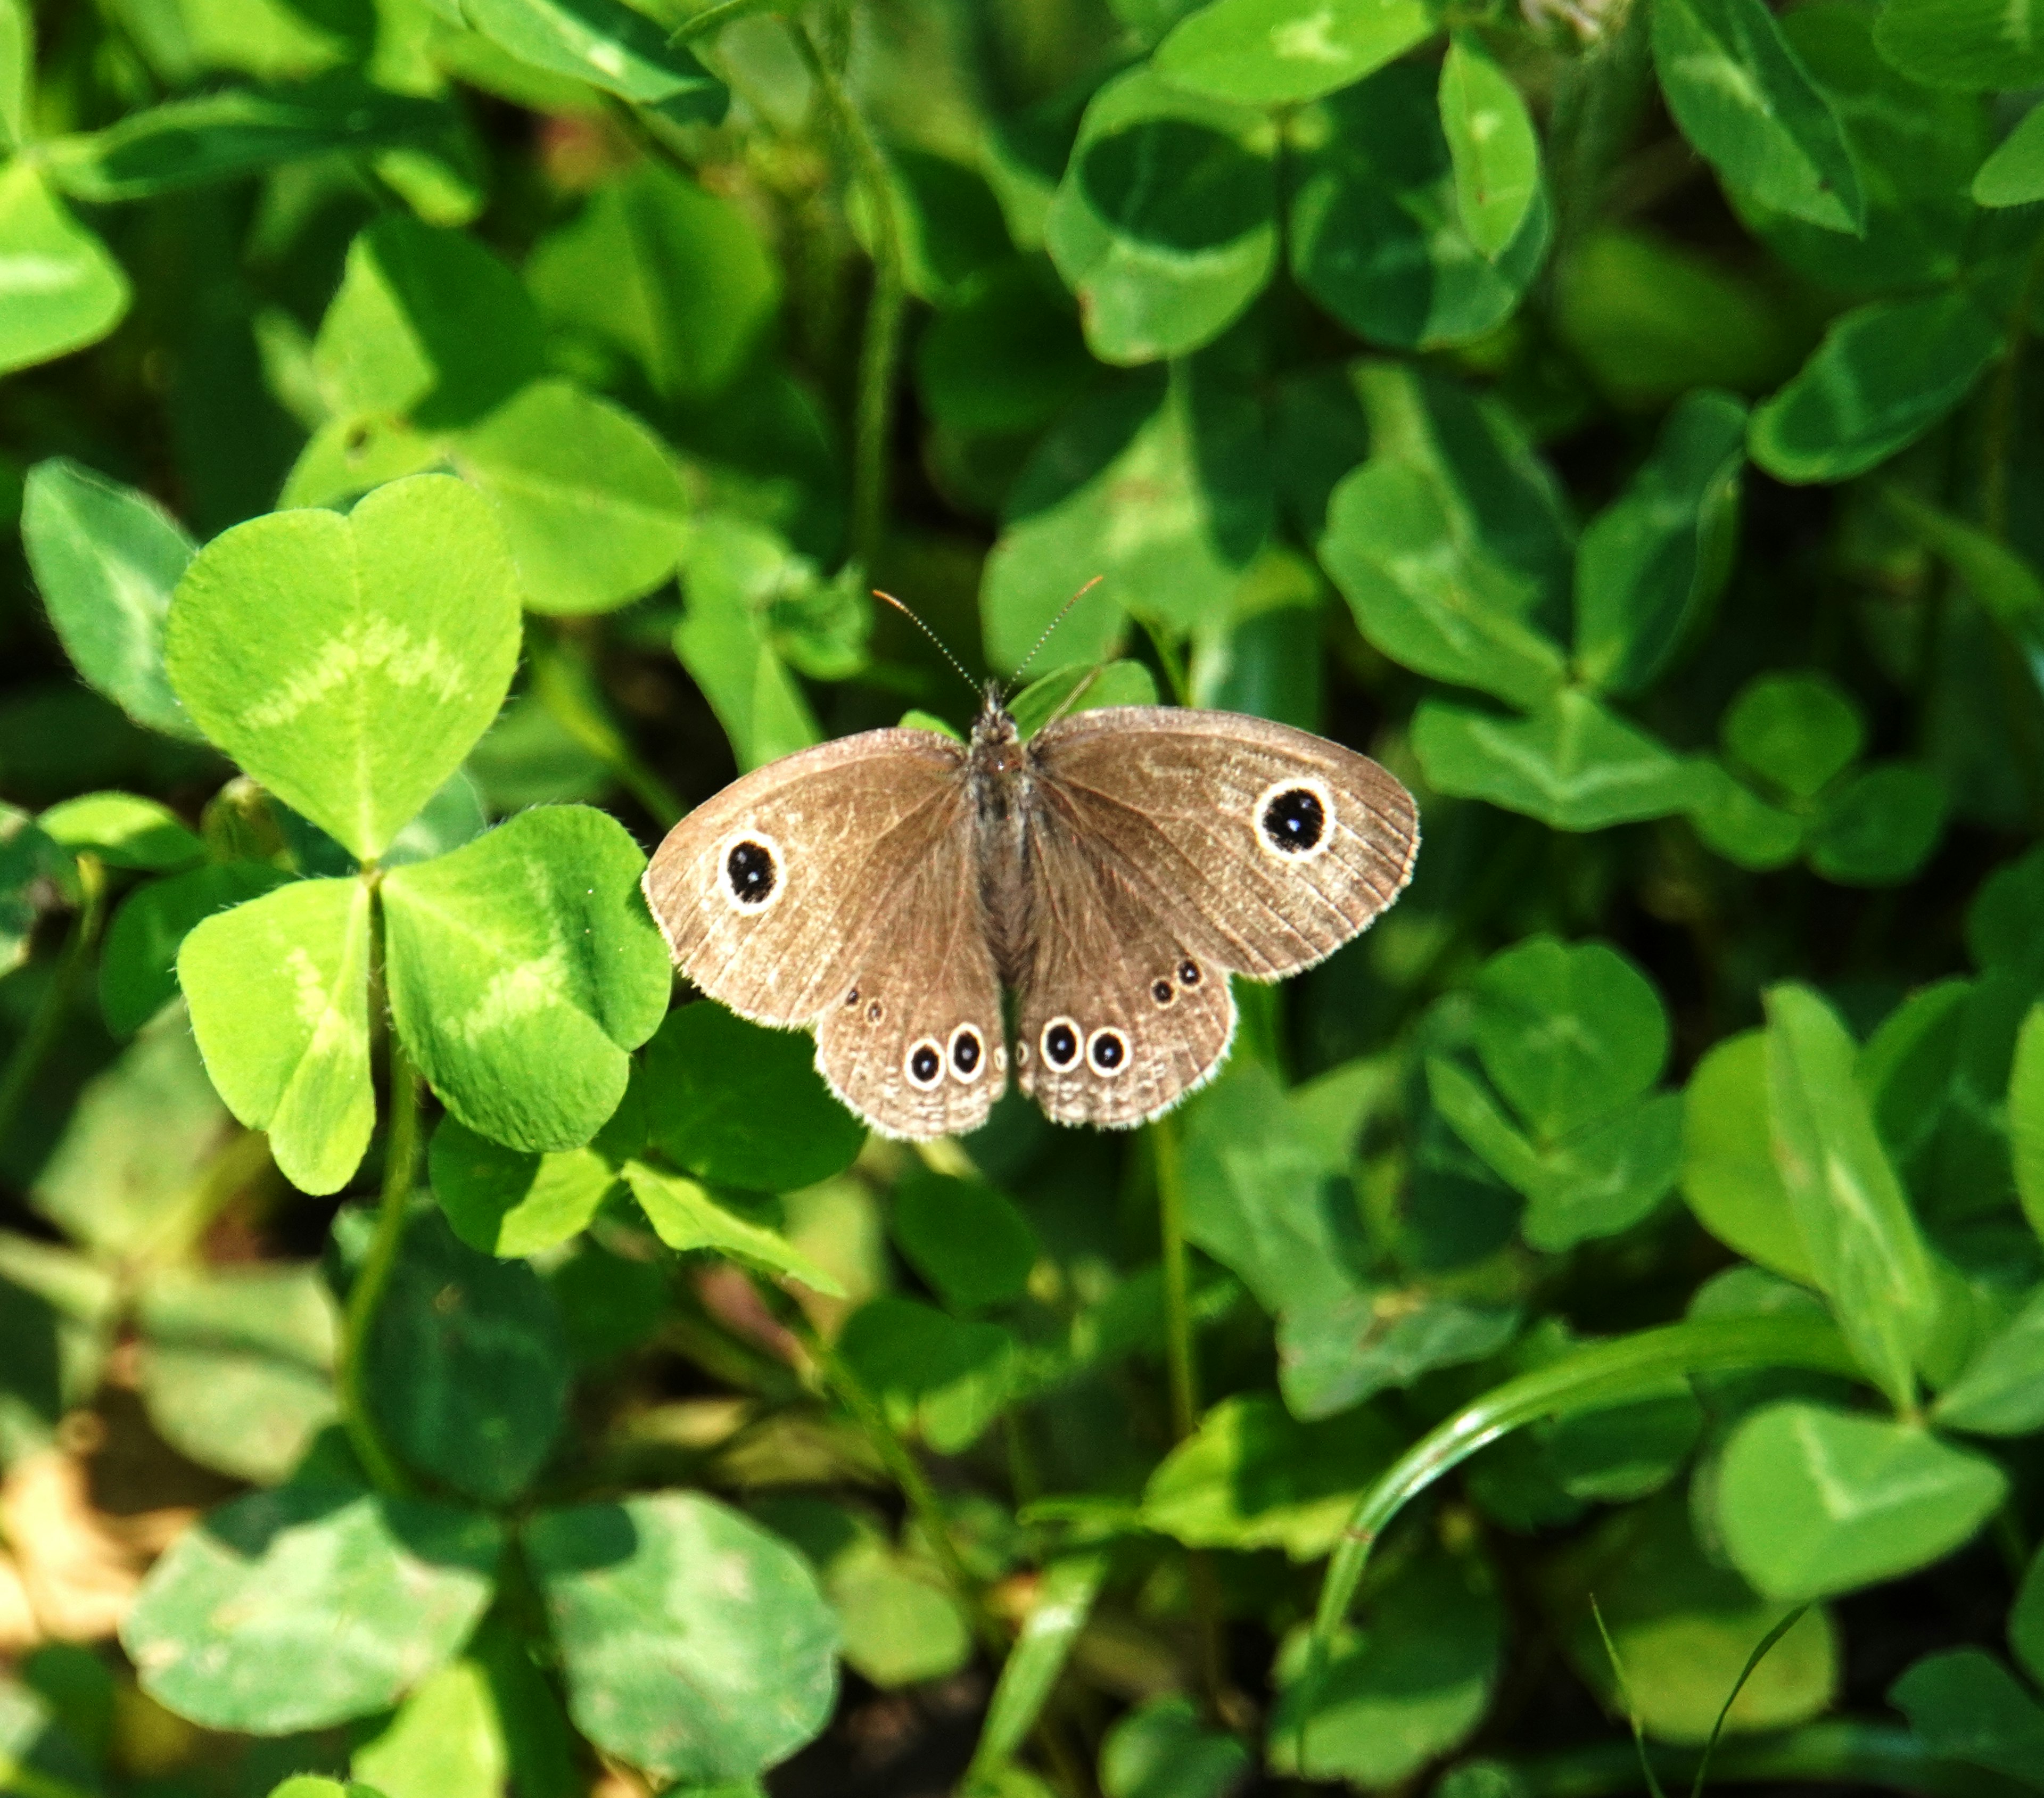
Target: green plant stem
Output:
[(41, 1037), (907, 1473), (880, 346), (1182, 1369), (1604, 1373), (567, 690), (1837, 1751), (1998, 431), (400, 1160), (717, 17)]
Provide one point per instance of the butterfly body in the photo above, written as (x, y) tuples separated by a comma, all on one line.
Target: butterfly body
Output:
[(1111, 871)]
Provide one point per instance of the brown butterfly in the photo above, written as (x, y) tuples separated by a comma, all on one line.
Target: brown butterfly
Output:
[(1113, 871)]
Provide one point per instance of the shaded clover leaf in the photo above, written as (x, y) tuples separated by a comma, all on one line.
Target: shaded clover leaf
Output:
[(695, 1645), (348, 664), (1164, 225), (1965, 1705), (1404, 1692), (278, 989), (946, 1378), (1574, 1039), (1160, 484), (1252, 1477), (305, 1607), (523, 970), (466, 1367), (1377, 234), (742, 1105), (1963, 44), (608, 44), (1885, 373), (1743, 96), (1795, 738)]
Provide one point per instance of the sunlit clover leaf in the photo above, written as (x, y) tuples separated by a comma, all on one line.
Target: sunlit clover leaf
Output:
[(2014, 175), (1864, 1246), (2000, 1391), (1811, 1501), (732, 572), (106, 559), (1650, 566), (1682, 1626), (349, 664), (1165, 224), (590, 501), (743, 1106), (608, 44), (60, 290), (1491, 137), (304, 1607), (1728, 1173), (138, 964), (447, 1737), (1743, 98), (1963, 44), (1573, 764), (1269, 53), (278, 989), (523, 970), (1424, 590), (1885, 373), (1161, 484), (685, 1216), (510, 1201), (316, 1785), (1376, 226), (695, 1644)]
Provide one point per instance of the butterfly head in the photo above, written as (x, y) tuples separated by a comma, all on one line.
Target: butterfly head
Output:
[(997, 743)]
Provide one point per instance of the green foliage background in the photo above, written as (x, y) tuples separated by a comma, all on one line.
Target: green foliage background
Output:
[(449, 437)]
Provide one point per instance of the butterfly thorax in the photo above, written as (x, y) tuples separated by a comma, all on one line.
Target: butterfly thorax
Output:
[(999, 781)]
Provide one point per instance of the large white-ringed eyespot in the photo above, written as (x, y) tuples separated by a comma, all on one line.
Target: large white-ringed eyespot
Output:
[(968, 1054), (1061, 1042), (1295, 819), (751, 872), (923, 1064), (1107, 1049)]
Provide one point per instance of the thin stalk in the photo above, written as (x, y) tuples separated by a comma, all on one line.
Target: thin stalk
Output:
[(906, 1472), (568, 690), (880, 346), (1998, 430), (1183, 1370), (41, 1037), (401, 1167), (1603, 1374)]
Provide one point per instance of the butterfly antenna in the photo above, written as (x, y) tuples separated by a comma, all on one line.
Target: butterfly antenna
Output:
[(942, 650), (1053, 624)]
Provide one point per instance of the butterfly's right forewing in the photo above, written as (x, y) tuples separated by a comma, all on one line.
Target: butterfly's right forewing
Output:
[(763, 891)]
